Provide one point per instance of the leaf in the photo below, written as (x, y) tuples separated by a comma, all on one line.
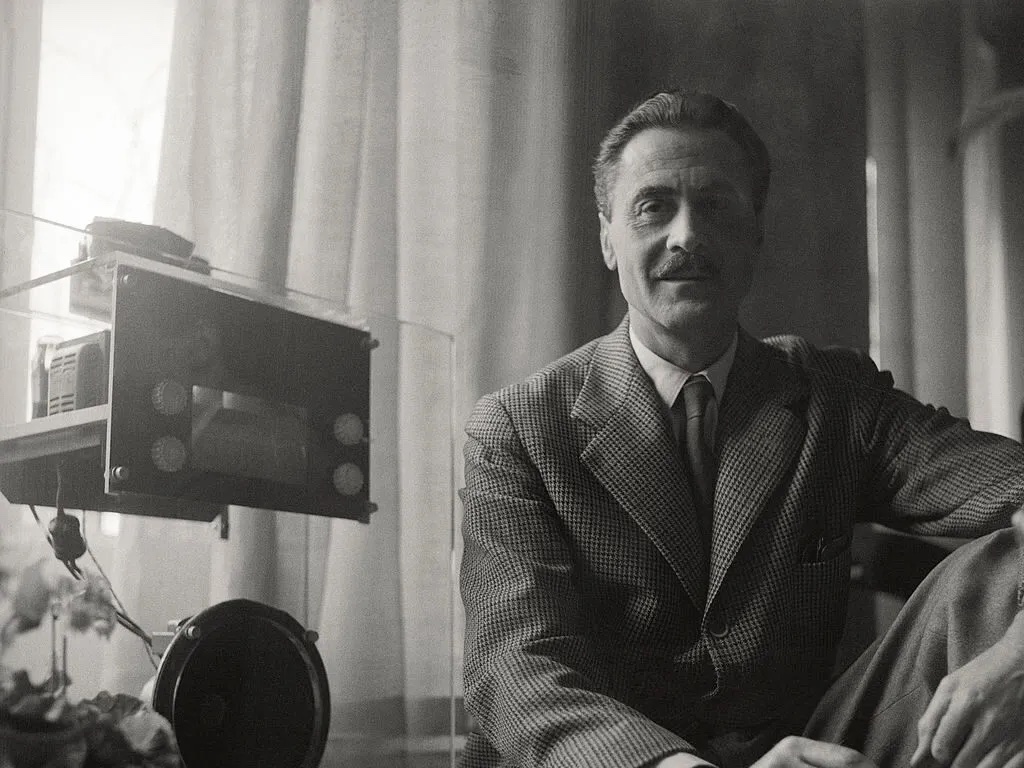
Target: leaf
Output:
[(31, 705), (93, 608), (32, 598)]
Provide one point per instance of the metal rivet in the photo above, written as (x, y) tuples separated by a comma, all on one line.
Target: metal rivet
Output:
[(192, 633), (119, 473), (312, 635)]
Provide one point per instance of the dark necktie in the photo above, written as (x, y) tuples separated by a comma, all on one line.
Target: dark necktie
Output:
[(698, 397)]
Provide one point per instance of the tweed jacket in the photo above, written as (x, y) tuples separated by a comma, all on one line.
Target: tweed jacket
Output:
[(597, 632)]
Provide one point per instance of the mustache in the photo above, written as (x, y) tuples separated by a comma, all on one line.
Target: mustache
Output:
[(686, 265)]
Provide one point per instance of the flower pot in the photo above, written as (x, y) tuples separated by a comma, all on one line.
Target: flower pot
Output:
[(61, 748)]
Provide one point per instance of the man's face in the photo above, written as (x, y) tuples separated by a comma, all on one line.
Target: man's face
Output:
[(682, 234)]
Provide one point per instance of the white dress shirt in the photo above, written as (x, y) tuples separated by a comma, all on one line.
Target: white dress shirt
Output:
[(669, 378)]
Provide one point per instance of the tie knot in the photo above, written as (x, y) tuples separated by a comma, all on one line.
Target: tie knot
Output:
[(697, 393)]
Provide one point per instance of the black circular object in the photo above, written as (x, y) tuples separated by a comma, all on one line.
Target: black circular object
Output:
[(243, 684)]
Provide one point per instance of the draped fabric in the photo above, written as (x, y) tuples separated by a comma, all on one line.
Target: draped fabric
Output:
[(20, 26), (995, 277), (408, 160), (949, 324)]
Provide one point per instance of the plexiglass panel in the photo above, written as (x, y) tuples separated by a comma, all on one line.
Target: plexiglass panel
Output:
[(265, 470)]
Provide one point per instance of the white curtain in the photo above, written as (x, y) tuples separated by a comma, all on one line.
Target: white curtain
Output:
[(950, 322), (399, 158), (995, 278), (20, 27)]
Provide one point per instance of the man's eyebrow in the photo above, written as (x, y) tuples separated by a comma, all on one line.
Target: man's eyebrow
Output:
[(653, 190), (666, 190)]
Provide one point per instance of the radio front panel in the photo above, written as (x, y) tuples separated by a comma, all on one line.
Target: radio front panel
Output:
[(223, 399)]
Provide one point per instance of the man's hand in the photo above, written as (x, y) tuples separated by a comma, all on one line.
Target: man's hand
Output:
[(798, 752), (976, 717)]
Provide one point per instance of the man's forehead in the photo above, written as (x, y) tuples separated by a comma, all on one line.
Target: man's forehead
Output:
[(681, 155), (669, 148)]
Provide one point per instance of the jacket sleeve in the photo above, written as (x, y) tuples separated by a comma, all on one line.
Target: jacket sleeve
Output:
[(929, 473), (533, 683)]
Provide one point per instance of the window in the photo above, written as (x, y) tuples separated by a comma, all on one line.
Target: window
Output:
[(103, 69)]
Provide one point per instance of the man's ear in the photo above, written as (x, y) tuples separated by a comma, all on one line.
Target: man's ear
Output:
[(606, 243)]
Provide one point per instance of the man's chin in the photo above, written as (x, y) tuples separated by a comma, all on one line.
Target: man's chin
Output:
[(693, 313), (694, 319)]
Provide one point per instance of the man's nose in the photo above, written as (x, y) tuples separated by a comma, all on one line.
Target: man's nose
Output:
[(686, 231)]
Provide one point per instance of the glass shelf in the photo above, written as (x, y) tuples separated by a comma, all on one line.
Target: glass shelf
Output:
[(374, 578)]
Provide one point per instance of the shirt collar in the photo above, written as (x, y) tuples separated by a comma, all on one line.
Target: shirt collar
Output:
[(669, 378)]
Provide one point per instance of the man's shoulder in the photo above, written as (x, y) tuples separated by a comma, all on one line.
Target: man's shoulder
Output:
[(540, 404), (797, 349), (557, 381), (826, 365)]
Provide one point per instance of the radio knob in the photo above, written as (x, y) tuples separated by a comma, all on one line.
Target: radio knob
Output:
[(348, 479), (169, 397), (348, 429), (168, 454)]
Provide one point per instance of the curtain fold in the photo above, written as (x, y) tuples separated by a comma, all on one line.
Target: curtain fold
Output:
[(399, 159), (20, 34), (921, 293), (995, 316), (344, 248)]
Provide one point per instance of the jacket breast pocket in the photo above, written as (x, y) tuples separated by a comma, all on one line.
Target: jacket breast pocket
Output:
[(819, 590)]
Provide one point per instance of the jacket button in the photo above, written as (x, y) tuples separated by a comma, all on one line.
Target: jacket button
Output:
[(718, 627)]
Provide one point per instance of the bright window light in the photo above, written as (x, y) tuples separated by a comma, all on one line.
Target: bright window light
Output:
[(102, 93)]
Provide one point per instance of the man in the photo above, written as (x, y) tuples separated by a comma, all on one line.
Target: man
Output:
[(657, 526)]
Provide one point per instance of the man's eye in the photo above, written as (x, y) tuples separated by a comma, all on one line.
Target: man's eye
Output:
[(652, 207)]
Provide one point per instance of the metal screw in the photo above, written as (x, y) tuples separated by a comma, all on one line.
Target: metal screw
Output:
[(192, 633)]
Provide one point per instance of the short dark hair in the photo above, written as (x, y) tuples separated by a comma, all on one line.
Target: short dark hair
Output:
[(682, 109)]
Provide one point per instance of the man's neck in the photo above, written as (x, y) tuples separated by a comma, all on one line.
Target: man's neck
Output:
[(691, 354)]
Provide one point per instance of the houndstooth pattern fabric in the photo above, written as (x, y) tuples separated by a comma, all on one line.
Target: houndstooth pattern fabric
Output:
[(588, 642)]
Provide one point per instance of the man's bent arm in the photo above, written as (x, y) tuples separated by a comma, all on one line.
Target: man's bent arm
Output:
[(928, 472)]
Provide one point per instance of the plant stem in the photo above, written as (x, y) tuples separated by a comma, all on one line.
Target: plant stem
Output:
[(7, 632), (53, 650)]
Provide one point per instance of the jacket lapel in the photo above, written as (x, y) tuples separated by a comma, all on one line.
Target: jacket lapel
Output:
[(633, 455), (761, 428)]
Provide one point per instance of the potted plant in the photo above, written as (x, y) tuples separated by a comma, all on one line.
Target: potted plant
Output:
[(39, 726)]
